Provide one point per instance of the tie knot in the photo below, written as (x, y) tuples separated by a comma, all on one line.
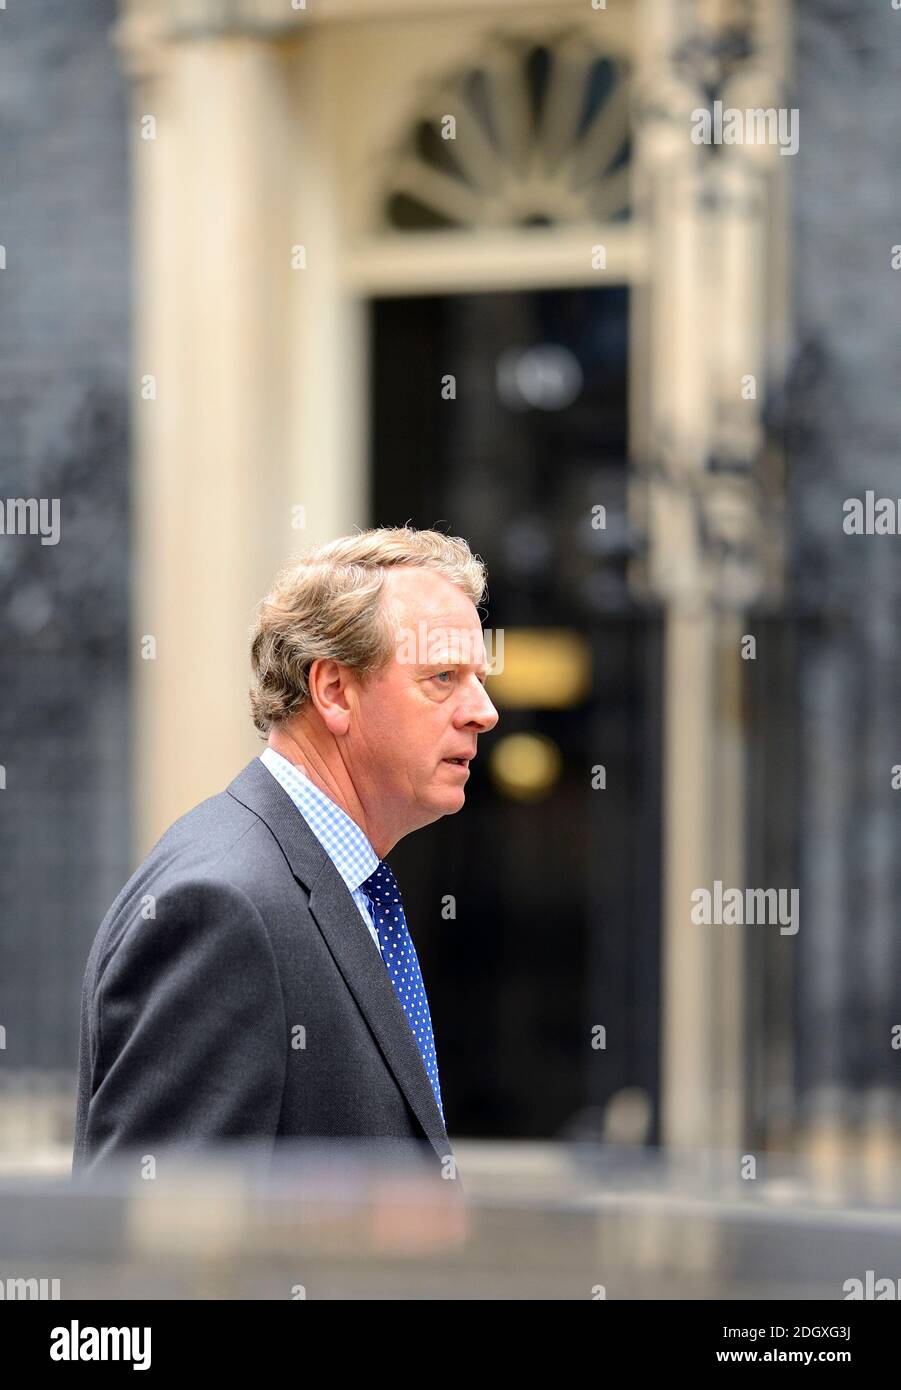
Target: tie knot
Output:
[(381, 887)]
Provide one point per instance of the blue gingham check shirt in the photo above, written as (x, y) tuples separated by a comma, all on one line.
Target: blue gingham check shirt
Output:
[(342, 839)]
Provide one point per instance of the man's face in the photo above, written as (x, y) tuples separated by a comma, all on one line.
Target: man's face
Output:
[(427, 706)]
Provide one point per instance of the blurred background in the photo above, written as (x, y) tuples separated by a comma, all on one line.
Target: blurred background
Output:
[(273, 271)]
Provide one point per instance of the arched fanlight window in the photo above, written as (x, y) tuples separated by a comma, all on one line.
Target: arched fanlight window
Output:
[(530, 135)]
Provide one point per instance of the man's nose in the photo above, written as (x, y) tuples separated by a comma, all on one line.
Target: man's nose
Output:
[(481, 711)]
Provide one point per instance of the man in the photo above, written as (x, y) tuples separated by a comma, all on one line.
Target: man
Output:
[(255, 979)]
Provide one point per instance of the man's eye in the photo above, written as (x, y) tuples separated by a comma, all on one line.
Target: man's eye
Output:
[(443, 673)]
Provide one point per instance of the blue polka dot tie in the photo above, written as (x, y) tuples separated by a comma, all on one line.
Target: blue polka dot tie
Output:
[(399, 955)]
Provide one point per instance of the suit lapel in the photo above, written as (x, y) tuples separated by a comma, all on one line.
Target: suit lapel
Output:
[(364, 971), (338, 918)]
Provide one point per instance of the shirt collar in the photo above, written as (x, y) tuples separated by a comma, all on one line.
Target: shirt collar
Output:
[(345, 843)]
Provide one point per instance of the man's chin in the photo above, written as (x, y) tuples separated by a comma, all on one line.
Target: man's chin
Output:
[(446, 801)]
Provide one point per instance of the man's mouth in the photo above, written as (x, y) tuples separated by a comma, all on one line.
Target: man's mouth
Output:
[(457, 762)]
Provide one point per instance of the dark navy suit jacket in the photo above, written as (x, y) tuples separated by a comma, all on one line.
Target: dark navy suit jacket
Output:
[(235, 941)]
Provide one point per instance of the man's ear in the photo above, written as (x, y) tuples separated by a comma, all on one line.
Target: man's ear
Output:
[(328, 681)]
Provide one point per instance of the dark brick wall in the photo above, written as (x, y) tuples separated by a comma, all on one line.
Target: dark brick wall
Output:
[(844, 428), (64, 306)]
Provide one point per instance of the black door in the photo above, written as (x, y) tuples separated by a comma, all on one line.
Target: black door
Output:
[(556, 898)]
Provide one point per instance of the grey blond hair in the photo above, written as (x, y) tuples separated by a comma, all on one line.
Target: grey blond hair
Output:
[(327, 604)]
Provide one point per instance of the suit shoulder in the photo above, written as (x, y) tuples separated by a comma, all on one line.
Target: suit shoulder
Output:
[(194, 855)]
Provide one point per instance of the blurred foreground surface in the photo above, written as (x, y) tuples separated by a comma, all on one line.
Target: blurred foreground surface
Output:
[(533, 1222)]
